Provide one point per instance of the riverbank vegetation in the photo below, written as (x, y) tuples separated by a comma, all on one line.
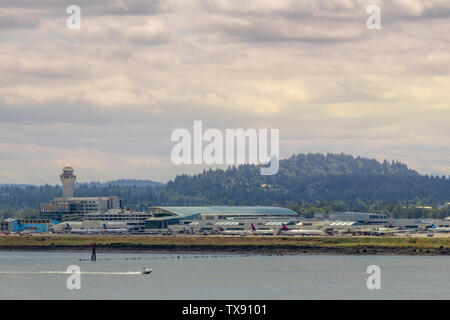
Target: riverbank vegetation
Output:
[(48, 241)]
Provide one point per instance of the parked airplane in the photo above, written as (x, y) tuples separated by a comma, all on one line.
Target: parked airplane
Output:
[(233, 232), (386, 231), (81, 231), (119, 230), (253, 231), (268, 232), (442, 229), (285, 231)]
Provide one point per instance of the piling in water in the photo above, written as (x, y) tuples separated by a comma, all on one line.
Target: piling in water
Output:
[(94, 255)]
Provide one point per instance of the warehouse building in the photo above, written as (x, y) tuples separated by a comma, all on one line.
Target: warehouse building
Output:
[(29, 225), (361, 217), (420, 224), (328, 226)]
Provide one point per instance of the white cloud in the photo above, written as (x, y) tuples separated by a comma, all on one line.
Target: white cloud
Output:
[(107, 97)]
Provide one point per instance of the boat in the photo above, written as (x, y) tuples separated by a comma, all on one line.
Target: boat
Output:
[(146, 271)]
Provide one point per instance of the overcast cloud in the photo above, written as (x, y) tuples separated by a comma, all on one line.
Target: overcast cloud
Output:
[(106, 98)]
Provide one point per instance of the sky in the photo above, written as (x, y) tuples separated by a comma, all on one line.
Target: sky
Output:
[(105, 98)]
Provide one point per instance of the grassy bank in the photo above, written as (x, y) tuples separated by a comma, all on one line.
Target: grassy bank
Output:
[(293, 245)]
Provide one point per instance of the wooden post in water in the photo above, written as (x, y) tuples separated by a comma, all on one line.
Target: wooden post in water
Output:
[(94, 255)]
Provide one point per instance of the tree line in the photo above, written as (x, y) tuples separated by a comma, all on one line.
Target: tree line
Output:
[(306, 183)]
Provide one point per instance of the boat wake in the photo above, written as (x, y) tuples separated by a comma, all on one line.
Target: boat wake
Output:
[(65, 272)]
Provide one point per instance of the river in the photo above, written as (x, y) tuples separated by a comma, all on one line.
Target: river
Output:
[(41, 275)]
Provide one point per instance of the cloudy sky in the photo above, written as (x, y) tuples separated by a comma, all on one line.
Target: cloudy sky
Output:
[(107, 97)]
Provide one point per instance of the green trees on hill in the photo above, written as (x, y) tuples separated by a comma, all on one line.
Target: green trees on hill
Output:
[(316, 178), (306, 183)]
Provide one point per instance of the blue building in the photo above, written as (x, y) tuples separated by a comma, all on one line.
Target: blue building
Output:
[(29, 225)]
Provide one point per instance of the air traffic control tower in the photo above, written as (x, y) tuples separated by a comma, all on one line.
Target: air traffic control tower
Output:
[(68, 180)]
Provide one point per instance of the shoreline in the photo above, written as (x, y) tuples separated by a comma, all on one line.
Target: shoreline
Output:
[(344, 251), (229, 245)]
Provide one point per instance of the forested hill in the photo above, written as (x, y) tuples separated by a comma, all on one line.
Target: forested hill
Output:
[(312, 178), (127, 183), (328, 182)]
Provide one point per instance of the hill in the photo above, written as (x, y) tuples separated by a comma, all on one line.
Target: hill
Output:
[(306, 183), (128, 183), (312, 178)]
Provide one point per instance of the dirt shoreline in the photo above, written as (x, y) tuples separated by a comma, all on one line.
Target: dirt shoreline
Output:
[(230, 245), (235, 249)]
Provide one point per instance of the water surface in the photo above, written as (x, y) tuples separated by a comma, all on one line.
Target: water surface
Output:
[(28, 275)]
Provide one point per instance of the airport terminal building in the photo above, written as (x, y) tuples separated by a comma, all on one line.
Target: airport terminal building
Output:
[(67, 207), (62, 209), (210, 217)]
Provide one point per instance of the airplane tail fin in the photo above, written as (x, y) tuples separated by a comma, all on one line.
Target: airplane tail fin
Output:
[(284, 227), (253, 227)]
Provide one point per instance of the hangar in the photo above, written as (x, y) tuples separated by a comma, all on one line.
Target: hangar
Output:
[(165, 216)]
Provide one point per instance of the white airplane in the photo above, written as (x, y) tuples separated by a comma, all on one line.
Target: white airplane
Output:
[(81, 231), (269, 232), (84, 231), (234, 232), (286, 231), (253, 231), (119, 230), (386, 231)]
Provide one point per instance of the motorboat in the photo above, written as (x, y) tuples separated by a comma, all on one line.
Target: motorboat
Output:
[(146, 271)]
